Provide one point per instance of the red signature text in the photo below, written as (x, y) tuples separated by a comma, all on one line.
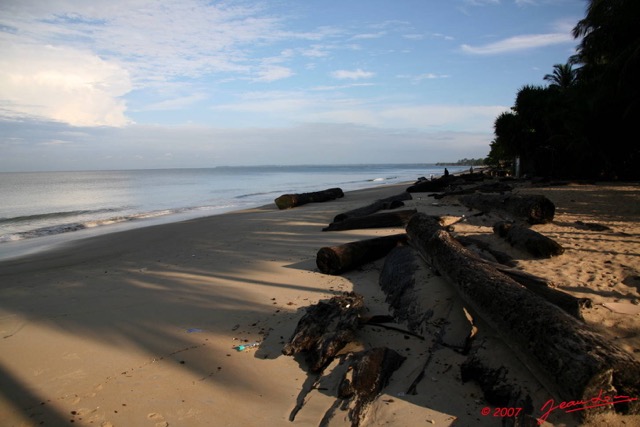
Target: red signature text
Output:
[(581, 405)]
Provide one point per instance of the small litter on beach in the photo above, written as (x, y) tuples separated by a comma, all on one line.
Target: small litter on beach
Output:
[(244, 347), (194, 330)]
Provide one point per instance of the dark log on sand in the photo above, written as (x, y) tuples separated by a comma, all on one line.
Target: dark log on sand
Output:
[(531, 241), (338, 259), (381, 220), (325, 329), (534, 209), (439, 184), (496, 187), (392, 202), (486, 251), (372, 370), (287, 201), (564, 352)]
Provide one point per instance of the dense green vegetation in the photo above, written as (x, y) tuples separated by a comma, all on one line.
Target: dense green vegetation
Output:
[(584, 122)]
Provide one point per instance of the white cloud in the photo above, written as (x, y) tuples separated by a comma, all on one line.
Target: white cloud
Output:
[(272, 73), (62, 84), (518, 44), (353, 74)]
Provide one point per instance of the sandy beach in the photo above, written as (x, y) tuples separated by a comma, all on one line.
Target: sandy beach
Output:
[(138, 328)]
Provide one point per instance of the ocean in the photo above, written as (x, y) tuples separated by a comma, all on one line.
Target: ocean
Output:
[(39, 209)]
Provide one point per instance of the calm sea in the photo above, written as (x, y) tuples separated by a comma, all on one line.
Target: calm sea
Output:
[(37, 207)]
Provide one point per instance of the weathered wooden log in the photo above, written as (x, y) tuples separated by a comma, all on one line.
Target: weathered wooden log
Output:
[(496, 187), (439, 184), (325, 329), (381, 220), (287, 201), (370, 374), (536, 284), (486, 251), (538, 245), (392, 202), (338, 259), (535, 209), (567, 354)]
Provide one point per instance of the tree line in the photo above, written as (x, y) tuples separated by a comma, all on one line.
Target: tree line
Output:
[(584, 122)]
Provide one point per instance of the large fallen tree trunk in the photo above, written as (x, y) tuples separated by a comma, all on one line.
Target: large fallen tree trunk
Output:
[(325, 329), (338, 259), (392, 202), (565, 352), (287, 201), (381, 220), (531, 241), (535, 209)]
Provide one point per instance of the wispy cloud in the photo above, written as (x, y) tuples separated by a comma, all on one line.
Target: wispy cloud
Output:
[(352, 74), (518, 44)]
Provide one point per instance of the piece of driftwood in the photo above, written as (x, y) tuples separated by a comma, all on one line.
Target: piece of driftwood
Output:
[(438, 184), (325, 329), (392, 202), (566, 354), (535, 209), (287, 201), (338, 259), (486, 251), (495, 187), (380, 220), (526, 239), (370, 374)]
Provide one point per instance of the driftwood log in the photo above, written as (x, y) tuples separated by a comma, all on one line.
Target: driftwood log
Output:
[(496, 187), (380, 220), (325, 329), (565, 353), (392, 202), (538, 245), (535, 209), (425, 185), (287, 201), (370, 374), (338, 259)]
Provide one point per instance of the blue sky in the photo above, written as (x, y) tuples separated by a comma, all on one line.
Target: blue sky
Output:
[(121, 84)]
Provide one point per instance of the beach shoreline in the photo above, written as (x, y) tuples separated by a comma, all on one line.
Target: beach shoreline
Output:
[(139, 327)]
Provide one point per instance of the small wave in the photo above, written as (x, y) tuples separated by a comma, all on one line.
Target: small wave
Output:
[(77, 226), (54, 215), (265, 193)]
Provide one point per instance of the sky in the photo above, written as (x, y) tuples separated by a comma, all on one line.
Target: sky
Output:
[(137, 84)]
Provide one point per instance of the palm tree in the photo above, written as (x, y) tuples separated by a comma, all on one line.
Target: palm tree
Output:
[(563, 76)]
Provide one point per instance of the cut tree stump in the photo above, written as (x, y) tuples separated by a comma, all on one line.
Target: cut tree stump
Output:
[(338, 259), (325, 329), (566, 354), (392, 202), (287, 201), (535, 209), (538, 245), (381, 220)]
